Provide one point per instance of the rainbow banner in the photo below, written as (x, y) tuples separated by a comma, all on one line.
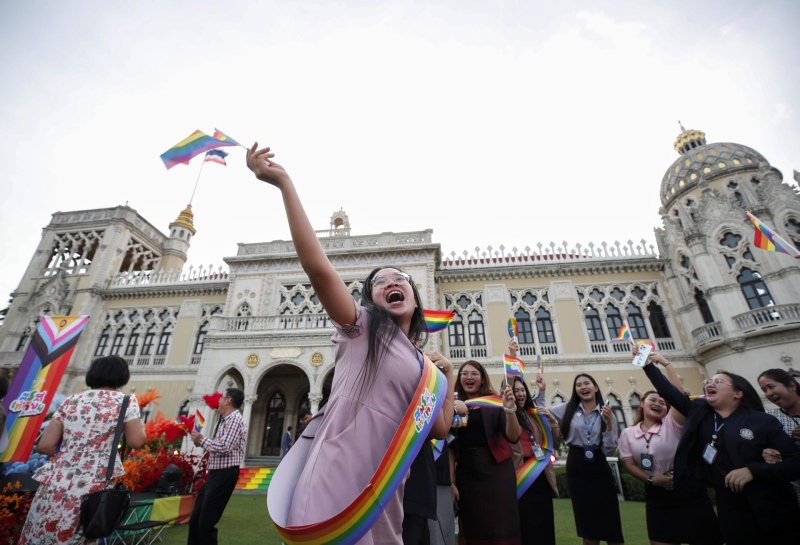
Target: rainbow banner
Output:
[(515, 367), (195, 144), (487, 402), (351, 524), (219, 135), (532, 468), (36, 382), (767, 239), (436, 320), (623, 335), (199, 421)]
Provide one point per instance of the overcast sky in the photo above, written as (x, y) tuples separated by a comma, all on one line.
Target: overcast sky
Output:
[(492, 123)]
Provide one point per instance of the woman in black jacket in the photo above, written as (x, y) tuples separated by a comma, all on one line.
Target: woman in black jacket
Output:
[(721, 446)]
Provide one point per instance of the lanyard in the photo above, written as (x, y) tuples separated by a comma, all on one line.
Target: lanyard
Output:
[(716, 430), (589, 426), (647, 438)]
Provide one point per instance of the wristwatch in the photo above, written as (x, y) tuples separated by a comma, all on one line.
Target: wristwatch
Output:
[(650, 480)]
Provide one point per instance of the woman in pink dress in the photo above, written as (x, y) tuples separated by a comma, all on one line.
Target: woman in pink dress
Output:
[(84, 425), (378, 367)]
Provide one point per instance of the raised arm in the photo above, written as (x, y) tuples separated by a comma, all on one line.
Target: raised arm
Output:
[(676, 397), (328, 285), (674, 379)]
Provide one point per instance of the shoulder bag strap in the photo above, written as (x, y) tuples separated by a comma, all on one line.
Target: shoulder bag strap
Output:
[(117, 434)]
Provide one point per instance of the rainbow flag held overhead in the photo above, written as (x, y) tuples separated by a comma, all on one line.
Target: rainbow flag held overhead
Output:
[(487, 402), (540, 364), (195, 144), (219, 135), (199, 421), (514, 366), (623, 335), (513, 328), (36, 382), (767, 239), (436, 320), (216, 156)]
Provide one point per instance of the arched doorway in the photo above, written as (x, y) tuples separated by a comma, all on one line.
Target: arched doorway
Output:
[(281, 393), (276, 414)]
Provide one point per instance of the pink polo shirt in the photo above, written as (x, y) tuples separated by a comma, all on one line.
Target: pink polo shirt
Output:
[(663, 443)]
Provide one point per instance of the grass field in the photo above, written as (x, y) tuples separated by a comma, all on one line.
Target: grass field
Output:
[(246, 522)]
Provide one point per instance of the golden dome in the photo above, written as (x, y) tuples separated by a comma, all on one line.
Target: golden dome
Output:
[(185, 220)]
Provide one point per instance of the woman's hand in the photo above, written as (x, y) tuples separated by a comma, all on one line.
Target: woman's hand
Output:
[(460, 408), (454, 492), (444, 365), (509, 401), (772, 456), (260, 162), (540, 383), (663, 481), (544, 411), (736, 479), (605, 412), (659, 359)]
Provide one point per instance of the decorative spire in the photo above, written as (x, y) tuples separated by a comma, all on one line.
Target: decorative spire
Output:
[(185, 219), (688, 140)]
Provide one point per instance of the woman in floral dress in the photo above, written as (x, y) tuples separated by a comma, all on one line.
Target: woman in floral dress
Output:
[(84, 427)]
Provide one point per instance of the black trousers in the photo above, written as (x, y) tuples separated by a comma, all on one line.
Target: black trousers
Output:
[(209, 505)]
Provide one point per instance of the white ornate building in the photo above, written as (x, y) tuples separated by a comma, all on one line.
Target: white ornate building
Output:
[(706, 298)]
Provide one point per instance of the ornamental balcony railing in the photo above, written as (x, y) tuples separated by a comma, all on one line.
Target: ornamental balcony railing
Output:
[(285, 322), (707, 333), (185, 275), (768, 317)]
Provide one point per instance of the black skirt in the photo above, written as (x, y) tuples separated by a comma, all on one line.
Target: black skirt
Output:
[(487, 490), (536, 518), (684, 515), (594, 497)]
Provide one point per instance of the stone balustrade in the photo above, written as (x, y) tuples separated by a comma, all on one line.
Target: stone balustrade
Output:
[(160, 277)]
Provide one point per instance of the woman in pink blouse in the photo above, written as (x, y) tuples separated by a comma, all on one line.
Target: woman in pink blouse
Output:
[(648, 449)]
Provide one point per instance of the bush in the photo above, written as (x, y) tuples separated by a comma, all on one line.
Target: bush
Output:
[(632, 488), (561, 482)]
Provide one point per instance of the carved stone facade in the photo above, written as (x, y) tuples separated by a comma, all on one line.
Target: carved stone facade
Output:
[(707, 298)]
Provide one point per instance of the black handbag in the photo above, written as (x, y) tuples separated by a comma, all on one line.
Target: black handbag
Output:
[(102, 511)]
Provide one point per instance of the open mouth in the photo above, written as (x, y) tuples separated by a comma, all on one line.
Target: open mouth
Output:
[(395, 296), (656, 410)]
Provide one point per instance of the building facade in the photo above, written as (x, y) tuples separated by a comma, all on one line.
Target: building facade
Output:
[(705, 297)]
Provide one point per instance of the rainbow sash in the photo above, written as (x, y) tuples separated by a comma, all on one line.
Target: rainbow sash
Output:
[(352, 523), (36, 382), (486, 402), (530, 470)]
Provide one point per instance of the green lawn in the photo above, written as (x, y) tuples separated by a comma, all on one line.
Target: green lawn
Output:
[(246, 522)]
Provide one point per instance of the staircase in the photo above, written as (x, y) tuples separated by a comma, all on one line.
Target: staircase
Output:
[(258, 472)]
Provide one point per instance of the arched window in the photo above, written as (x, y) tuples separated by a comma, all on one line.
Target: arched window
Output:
[(702, 305), (525, 335), (149, 339), (119, 338), (133, 341), (557, 400), (477, 336), (635, 401), (23, 340), (636, 322), (619, 414), (613, 320), (165, 339), (658, 322), (201, 337), (754, 289), (357, 295), (593, 326), (730, 240), (455, 331), (102, 342), (544, 326), (276, 412)]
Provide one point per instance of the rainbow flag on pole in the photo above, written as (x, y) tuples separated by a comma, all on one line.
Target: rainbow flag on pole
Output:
[(515, 367), (219, 135), (767, 239), (623, 335), (195, 144), (199, 421), (36, 382), (436, 320)]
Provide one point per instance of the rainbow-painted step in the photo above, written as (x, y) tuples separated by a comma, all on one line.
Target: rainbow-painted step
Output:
[(254, 478)]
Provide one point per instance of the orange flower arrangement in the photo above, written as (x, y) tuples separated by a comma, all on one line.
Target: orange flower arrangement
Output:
[(14, 506), (148, 397)]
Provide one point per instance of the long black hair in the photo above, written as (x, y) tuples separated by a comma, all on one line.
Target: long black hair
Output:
[(382, 328), (575, 400), (523, 421), (751, 399)]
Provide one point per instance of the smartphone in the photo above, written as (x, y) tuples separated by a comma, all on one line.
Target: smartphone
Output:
[(644, 352)]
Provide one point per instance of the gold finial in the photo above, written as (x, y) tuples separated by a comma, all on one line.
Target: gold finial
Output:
[(688, 140), (185, 219)]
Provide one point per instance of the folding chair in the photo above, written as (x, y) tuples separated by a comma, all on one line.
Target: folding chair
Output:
[(140, 533)]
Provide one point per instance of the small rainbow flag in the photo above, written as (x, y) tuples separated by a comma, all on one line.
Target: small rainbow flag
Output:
[(438, 447), (436, 320), (199, 421), (195, 144), (540, 364), (219, 135), (624, 334), (513, 329), (36, 382), (514, 366), (487, 402), (767, 239)]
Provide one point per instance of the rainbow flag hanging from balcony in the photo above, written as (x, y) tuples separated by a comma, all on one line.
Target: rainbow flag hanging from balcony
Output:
[(767, 239), (36, 382)]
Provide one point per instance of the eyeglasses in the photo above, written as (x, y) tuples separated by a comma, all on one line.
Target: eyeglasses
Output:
[(397, 278), (467, 374), (714, 382)]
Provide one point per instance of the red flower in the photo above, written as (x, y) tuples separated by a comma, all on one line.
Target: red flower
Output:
[(66, 534), (50, 525), (213, 400)]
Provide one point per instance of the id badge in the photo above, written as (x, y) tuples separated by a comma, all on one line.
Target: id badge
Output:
[(646, 462), (538, 452), (710, 454), (588, 453)]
